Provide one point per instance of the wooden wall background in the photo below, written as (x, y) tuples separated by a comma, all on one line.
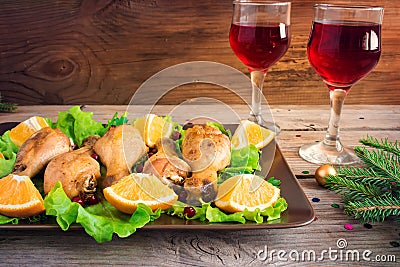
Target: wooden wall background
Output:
[(100, 52)]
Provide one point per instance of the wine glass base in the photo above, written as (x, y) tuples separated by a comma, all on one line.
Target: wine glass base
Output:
[(320, 153)]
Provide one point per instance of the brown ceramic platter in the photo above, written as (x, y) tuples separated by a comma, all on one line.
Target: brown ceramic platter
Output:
[(299, 212)]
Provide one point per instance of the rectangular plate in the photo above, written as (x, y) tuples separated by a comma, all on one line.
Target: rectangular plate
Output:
[(299, 212)]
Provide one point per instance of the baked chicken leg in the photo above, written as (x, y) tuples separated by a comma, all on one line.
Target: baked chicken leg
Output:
[(119, 149), (77, 171), (36, 152), (207, 150), (166, 164)]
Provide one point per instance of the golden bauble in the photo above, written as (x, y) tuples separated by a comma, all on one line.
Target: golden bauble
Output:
[(322, 172)]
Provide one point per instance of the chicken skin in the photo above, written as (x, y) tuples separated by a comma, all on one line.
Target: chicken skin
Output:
[(166, 165), (119, 149), (77, 171), (207, 150), (36, 152)]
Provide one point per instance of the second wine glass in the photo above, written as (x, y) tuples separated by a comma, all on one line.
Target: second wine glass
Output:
[(344, 46), (260, 36)]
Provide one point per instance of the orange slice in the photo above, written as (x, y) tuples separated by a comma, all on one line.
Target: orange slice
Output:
[(246, 191), (140, 124), (19, 197), (127, 193), (20, 133), (248, 133), (152, 128)]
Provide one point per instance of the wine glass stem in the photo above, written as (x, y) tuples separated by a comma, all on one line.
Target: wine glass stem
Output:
[(337, 97), (257, 81)]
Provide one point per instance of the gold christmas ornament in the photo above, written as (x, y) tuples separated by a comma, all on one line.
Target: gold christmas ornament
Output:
[(322, 172)]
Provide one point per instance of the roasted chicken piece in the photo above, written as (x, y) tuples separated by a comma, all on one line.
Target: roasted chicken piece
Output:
[(166, 164), (119, 148), (207, 150), (77, 171), (36, 152)]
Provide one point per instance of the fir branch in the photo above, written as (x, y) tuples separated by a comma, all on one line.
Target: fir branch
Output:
[(374, 209), (383, 163), (352, 189), (385, 144), (364, 175), (7, 107), (371, 193)]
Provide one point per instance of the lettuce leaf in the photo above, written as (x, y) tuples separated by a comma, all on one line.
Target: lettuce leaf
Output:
[(220, 127), (5, 220), (244, 160), (9, 151), (100, 221), (78, 124), (58, 204), (246, 157), (214, 215)]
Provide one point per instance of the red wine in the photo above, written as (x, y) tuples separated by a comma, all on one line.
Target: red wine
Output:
[(342, 54), (258, 47)]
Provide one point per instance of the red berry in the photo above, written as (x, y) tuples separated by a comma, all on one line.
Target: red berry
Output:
[(92, 200), (189, 211), (95, 156), (78, 200), (176, 136), (139, 168)]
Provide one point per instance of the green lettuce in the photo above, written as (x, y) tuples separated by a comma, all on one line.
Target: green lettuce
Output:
[(220, 127), (100, 221), (78, 124), (246, 157), (9, 151), (214, 215), (5, 220), (244, 160)]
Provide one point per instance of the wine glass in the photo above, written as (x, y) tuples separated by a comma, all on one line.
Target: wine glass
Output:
[(260, 36), (343, 47)]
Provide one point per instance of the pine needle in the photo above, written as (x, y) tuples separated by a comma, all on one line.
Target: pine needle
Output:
[(374, 209), (385, 144), (7, 107)]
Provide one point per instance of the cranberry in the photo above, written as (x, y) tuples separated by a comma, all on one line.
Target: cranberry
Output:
[(92, 200), (150, 154), (95, 156), (176, 136), (78, 200), (189, 211), (139, 168)]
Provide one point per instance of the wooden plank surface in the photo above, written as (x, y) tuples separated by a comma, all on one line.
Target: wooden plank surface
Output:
[(206, 248), (100, 52), (227, 248)]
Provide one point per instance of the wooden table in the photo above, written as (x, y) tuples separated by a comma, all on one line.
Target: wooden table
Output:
[(300, 124)]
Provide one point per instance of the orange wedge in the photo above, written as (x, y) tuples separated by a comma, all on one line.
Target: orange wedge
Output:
[(246, 191), (248, 133), (19, 197), (127, 193), (20, 133), (153, 128)]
